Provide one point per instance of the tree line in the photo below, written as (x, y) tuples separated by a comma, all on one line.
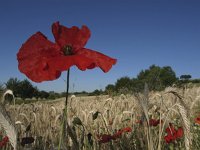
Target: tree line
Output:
[(157, 78), (24, 89)]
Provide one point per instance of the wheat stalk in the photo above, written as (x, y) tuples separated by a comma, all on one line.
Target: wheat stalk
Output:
[(186, 125), (184, 112)]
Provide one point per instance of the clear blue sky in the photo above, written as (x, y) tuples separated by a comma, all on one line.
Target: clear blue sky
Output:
[(138, 33)]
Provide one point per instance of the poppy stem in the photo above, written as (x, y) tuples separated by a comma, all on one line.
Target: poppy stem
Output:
[(64, 121), (67, 92), (66, 103)]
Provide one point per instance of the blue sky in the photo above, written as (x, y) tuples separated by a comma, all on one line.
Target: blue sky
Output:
[(138, 33)]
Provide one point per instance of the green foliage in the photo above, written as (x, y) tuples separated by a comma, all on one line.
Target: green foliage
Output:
[(53, 95), (43, 94), (26, 89), (185, 77), (14, 85), (96, 93), (83, 93), (110, 88), (156, 77), (123, 85)]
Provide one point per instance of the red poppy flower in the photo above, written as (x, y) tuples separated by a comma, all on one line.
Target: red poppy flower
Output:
[(139, 121), (179, 132), (104, 138), (173, 134), (154, 122), (197, 120), (42, 60), (119, 133), (4, 141)]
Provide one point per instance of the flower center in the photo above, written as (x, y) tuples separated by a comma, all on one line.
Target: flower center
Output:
[(67, 50)]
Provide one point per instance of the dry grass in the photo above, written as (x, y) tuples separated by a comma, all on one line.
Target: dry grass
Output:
[(173, 105)]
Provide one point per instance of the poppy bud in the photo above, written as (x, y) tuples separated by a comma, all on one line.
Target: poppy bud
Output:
[(27, 140)]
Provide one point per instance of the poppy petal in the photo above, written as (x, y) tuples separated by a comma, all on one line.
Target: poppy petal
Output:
[(33, 58), (197, 120), (73, 36), (170, 130), (104, 138), (179, 132), (98, 59), (65, 62)]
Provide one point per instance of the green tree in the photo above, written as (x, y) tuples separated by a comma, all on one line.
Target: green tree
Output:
[(124, 84), (137, 85), (157, 77), (151, 76), (54, 95), (167, 76), (36, 93), (96, 92), (26, 89), (109, 89), (185, 77), (43, 94), (13, 84)]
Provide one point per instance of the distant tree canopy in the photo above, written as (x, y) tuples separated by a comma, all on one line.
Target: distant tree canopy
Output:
[(185, 77), (96, 93), (13, 84), (25, 89), (110, 88), (156, 77), (123, 84)]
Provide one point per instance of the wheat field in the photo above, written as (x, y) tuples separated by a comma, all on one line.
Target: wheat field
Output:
[(42, 121)]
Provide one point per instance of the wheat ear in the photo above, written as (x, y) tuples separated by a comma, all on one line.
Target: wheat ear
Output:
[(186, 125)]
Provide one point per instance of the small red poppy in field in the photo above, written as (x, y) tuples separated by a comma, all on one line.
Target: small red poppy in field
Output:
[(173, 134), (119, 133), (104, 138), (197, 120), (42, 60), (139, 121), (4, 141), (154, 122)]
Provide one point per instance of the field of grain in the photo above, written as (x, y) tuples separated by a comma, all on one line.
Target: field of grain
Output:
[(135, 121)]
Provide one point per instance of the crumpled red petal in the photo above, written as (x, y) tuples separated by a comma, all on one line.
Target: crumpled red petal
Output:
[(104, 138), (75, 37), (98, 59), (42, 60), (65, 62), (33, 58), (179, 132), (170, 130)]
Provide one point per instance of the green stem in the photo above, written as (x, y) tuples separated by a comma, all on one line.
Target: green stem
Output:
[(67, 92), (64, 119)]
